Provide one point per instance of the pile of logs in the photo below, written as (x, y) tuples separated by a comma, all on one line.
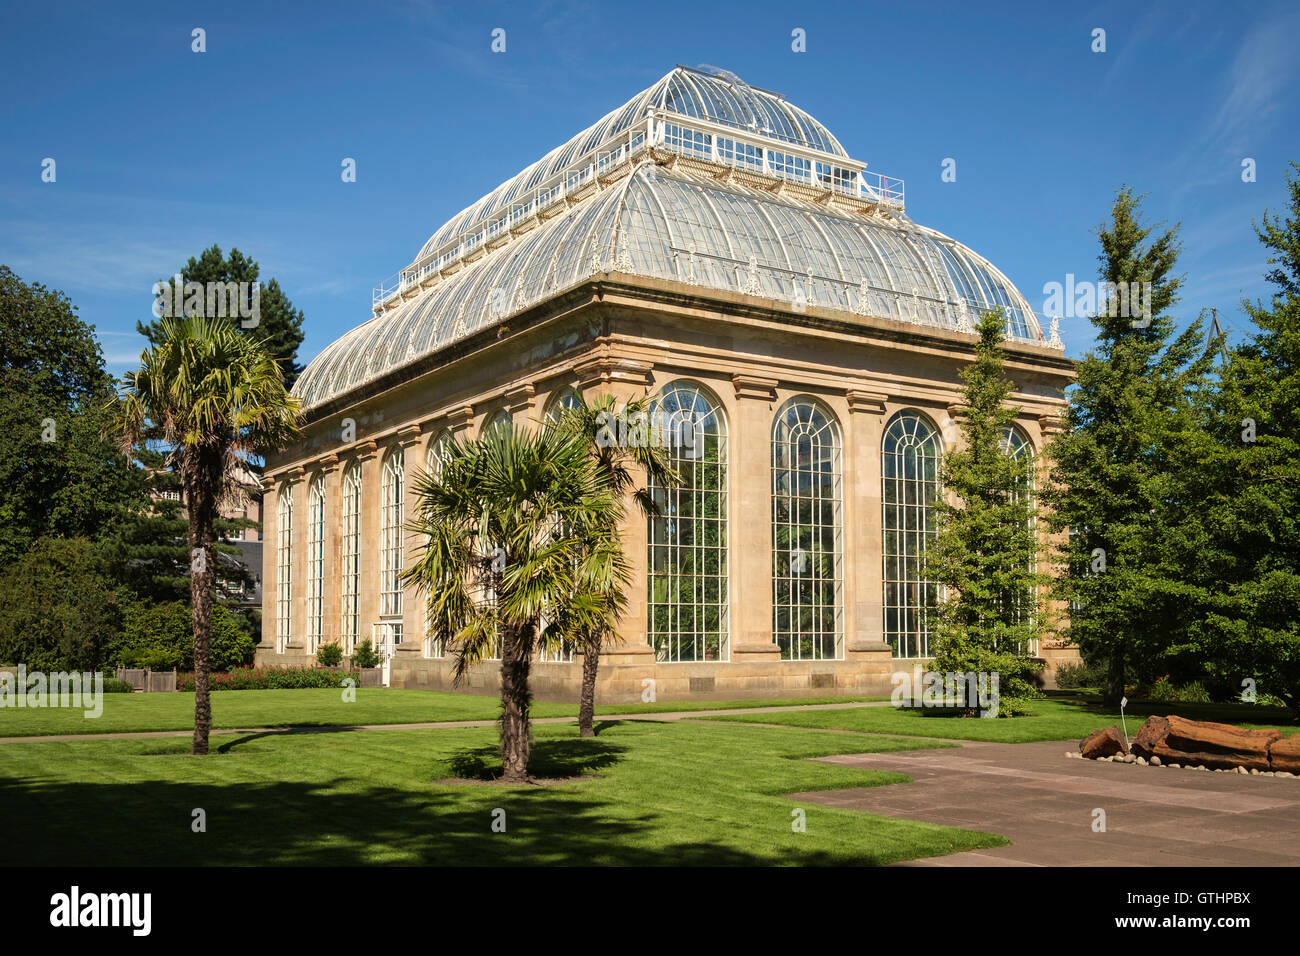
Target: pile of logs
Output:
[(1175, 741)]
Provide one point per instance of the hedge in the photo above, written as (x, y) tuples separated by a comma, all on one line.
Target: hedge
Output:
[(271, 678)]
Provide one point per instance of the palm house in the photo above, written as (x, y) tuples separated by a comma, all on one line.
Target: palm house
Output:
[(715, 247)]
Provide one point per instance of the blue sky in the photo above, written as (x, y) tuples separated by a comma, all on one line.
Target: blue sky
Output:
[(161, 151)]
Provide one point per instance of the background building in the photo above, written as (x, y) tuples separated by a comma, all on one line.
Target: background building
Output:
[(716, 247)]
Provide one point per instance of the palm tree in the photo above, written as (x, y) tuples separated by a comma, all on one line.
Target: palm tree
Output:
[(516, 556), (613, 460), (213, 396)]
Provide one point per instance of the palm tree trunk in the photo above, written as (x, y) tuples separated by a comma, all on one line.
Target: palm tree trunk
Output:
[(516, 734), (587, 698), (201, 494)]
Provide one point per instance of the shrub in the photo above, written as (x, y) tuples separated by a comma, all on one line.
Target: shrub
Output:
[(114, 686), (329, 655), (365, 655), (269, 678), (1083, 674), (161, 637)]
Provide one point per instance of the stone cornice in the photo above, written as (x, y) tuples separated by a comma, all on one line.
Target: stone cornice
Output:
[(1051, 424), (754, 387), (520, 396), (607, 368), (870, 402)]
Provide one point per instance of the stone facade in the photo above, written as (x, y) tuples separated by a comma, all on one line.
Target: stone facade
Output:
[(628, 335)]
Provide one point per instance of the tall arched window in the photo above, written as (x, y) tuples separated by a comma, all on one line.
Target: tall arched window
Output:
[(315, 564), (688, 539), (436, 456), (910, 460), (434, 460), (351, 554), (807, 566), (284, 567), (390, 535), (563, 401), (501, 419)]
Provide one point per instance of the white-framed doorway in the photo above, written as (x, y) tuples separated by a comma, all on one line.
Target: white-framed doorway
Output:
[(385, 635)]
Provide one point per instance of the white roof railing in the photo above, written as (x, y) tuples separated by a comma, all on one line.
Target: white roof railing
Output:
[(671, 132)]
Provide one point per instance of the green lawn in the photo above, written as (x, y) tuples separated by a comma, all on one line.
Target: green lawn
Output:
[(656, 794), (315, 707), (1064, 715)]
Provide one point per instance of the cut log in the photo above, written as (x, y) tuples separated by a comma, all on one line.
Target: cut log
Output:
[(1152, 733), (1284, 754), (1217, 746), (1103, 743)]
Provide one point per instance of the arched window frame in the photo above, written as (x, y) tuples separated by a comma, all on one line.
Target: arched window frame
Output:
[(911, 455), (284, 568), (350, 552), (688, 610), (391, 519), (315, 563), (434, 460), (807, 531), (562, 400)]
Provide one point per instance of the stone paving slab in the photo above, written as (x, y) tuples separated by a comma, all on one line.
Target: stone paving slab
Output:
[(1043, 801)]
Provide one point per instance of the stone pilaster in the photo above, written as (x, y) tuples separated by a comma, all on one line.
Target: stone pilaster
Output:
[(749, 548), (412, 599), (864, 549)]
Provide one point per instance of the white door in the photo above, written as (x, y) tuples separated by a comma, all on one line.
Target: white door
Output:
[(386, 635)]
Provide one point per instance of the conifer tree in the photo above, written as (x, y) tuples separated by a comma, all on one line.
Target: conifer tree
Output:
[(985, 552), (1250, 490), (1117, 496)]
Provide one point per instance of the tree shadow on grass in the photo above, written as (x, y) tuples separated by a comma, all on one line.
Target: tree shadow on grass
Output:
[(551, 758), (323, 824), (1228, 713)]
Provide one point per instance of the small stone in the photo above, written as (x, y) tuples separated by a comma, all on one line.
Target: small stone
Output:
[(1242, 770), (1254, 771), (1142, 761), (1155, 761), (1176, 766)]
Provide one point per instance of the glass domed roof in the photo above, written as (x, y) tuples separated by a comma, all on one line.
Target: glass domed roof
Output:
[(721, 98), (690, 226)]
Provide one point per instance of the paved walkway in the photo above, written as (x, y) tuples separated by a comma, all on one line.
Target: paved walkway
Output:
[(432, 725), (1043, 802)]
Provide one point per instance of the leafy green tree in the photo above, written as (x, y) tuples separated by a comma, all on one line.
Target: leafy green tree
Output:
[(214, 396), (1250, 491), (615, 462), (161, 636), (58, 476), (1115, 487), (985, 550), (60, 608), (279, 327), (509, 523)]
